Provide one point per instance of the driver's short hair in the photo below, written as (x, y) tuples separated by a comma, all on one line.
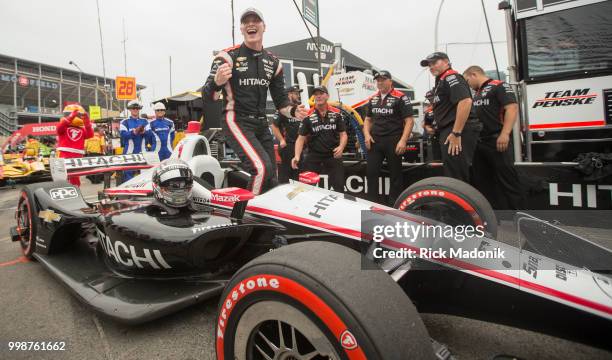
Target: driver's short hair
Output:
[(474, 69)]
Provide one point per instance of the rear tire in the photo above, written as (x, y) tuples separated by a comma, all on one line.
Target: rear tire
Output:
[(450, 201), (313, 298), (26, 222)]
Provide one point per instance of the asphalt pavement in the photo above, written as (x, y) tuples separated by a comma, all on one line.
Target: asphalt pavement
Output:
[(36, 307)]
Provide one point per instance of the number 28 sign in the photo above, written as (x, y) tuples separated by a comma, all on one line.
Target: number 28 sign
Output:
[(125, 88)]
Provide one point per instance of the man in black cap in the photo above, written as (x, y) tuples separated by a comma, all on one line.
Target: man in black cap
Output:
[(452, 104), (326, 131), (387, 128), (245, 73), (285, 130)]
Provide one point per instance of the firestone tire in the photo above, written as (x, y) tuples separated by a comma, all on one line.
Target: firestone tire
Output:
[(25, 216), (470, 207), (314, 298)]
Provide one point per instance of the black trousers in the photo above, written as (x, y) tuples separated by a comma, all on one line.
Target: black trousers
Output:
[(458, 166), (250, 138), (384, 148), (330, 166), (496, 177), (285, 171)]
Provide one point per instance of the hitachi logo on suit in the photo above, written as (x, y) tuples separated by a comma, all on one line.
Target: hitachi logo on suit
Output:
[(383, 111), (324, 127), (252, 82)]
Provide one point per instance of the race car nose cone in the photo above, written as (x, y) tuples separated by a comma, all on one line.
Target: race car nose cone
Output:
[(309, 177)]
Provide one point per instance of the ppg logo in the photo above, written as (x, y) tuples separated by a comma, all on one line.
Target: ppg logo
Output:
[(63, 193)]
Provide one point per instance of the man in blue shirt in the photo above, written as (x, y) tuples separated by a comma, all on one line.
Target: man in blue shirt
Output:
[(162, 131), (134, 132)]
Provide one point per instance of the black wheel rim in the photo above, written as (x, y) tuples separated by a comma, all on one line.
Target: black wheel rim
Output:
[(276, 331)]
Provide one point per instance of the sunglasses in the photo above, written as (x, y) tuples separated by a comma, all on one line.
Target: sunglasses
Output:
[(160, 110)]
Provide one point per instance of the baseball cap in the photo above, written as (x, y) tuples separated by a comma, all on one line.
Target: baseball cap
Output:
[(251, 11), (384, 73), (293, 88), (433, 57), (320, 88)]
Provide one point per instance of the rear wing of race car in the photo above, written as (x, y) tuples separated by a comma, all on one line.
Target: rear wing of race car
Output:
[(62, 169)]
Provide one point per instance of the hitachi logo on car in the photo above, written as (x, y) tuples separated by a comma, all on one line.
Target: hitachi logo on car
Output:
[(117, 250), (251, 82), (245, 287)]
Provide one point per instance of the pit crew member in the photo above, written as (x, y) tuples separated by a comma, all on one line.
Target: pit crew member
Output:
[(134, 133), (285, 130), (387, 127), (72, 131), (162, 131), (496, 107), (245, 73), (430, 133), (326, 132), (452, 104)]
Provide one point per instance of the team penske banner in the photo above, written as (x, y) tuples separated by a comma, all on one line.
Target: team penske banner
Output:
[(567, 104)]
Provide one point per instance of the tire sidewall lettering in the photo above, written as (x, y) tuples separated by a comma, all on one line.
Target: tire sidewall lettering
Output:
[(291, 289)]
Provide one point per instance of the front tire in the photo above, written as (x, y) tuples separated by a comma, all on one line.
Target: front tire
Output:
[(313, 299), (450, 201), (26, 222)]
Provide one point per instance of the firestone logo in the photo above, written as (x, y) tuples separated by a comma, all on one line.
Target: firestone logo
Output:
[(414, 197), (245, 287)]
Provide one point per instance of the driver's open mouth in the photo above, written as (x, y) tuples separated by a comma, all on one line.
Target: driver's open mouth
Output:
[(251, 31)]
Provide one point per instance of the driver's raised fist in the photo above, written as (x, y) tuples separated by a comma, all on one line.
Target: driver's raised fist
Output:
[(224, 73)]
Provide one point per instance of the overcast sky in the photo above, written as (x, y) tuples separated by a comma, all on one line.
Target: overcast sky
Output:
[(392, 35)]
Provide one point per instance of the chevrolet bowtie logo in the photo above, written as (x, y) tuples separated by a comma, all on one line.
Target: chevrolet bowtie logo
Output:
[(298, 189), (49, 216)]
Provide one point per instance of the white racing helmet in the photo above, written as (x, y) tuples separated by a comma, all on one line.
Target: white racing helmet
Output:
[(172, 183)]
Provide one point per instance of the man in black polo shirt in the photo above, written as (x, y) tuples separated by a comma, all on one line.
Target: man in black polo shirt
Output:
[(326, 132), (285, 130), (386, 128), (430, 129), (452, 103), (496, 107)]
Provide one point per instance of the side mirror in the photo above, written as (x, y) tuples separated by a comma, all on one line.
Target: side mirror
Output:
[(236, 196), (309, 178)]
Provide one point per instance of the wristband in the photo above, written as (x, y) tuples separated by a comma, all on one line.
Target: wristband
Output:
[(457, 133)]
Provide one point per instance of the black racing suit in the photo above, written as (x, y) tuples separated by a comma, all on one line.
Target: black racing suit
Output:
[(451, 88), (323, 137), (387, 115), (433, 145), (245, 124), (493, 172), (289, 128)]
